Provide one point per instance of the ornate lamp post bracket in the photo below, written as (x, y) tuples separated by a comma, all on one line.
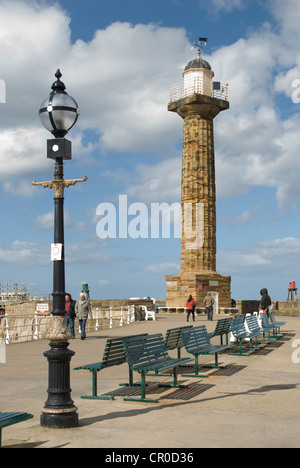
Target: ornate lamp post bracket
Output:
[(59, 185)]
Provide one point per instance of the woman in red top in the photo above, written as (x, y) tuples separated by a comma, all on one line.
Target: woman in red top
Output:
[(191, 305)]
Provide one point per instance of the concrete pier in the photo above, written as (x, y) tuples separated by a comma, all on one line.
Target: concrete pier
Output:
[(254, 403)]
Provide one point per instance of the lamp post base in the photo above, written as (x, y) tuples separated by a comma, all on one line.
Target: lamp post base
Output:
[(59, 410), (59, 421)]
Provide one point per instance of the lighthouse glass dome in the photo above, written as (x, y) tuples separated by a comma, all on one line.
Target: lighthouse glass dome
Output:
[(59, 111)]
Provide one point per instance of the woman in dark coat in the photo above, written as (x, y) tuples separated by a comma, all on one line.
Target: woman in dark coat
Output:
[(265, 301)]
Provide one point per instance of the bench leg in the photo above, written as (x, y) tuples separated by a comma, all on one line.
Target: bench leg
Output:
[(196, 374), (131, 383), (276, 333), (95, 390), (241, 350), (143, 392), (255, 346), (265, 340), (273, 337), (175, 381), (216, 365)]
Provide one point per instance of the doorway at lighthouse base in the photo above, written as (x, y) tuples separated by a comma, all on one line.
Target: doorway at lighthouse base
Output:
[(180, 286)]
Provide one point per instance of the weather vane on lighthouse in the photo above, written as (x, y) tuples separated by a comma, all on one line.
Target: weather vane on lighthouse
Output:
[(200, 45)]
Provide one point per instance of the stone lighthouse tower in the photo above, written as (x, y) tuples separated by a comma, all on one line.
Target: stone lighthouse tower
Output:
[(198, 100)]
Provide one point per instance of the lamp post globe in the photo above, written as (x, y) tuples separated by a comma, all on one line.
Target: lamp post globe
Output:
[(59, 112)]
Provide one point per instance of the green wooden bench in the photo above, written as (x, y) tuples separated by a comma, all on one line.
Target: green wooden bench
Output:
[(113, 355), (267, 326), (240, 333), (222, 328), (149, 354), (197, 342), (173, 339), (8, 419), (253, 327), (275, 323)]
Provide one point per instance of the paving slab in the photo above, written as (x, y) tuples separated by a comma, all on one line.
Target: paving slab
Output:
[(253, 403)]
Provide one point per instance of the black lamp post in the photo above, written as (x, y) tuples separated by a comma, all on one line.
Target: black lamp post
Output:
[(59, 113)]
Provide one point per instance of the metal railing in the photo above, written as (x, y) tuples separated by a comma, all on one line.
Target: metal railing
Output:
[(180, 310), (127, 316), (30, 321), (38, 326), (198, 310), (196, 86)]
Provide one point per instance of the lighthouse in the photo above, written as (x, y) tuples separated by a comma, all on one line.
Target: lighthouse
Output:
[(198, 100)]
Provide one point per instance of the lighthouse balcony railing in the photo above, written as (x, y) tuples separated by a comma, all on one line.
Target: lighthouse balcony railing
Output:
[(182, 90)]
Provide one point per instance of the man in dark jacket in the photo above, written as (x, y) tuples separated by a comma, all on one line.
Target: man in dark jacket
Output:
[(265, 301), (209, 302), (70, 313)]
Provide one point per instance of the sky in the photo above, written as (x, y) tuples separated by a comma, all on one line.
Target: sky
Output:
[(118, 59)]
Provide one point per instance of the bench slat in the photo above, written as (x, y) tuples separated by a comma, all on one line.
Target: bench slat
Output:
[(149, 353), (173, 337), (222, 328)]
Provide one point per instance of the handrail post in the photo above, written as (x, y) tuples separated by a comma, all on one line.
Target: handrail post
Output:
[(36, 323), (128, 315), (110, 318), (8, 340), (97, 319), (132, 318), (121, 321)]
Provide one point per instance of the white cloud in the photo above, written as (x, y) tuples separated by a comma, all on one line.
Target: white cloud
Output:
[(245, 217), (159, 183), (21, 150), (255, 146), (263, 257), (45, 221), (31, 253), (104, 282), (34, 39), (162, 268), (24, 253), (88, 252), (123, 93), (226, 5)]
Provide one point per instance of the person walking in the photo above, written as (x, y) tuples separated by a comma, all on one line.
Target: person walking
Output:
[(265, 301), (209, 302), (190, 305), (70, 313), (83, 311)]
